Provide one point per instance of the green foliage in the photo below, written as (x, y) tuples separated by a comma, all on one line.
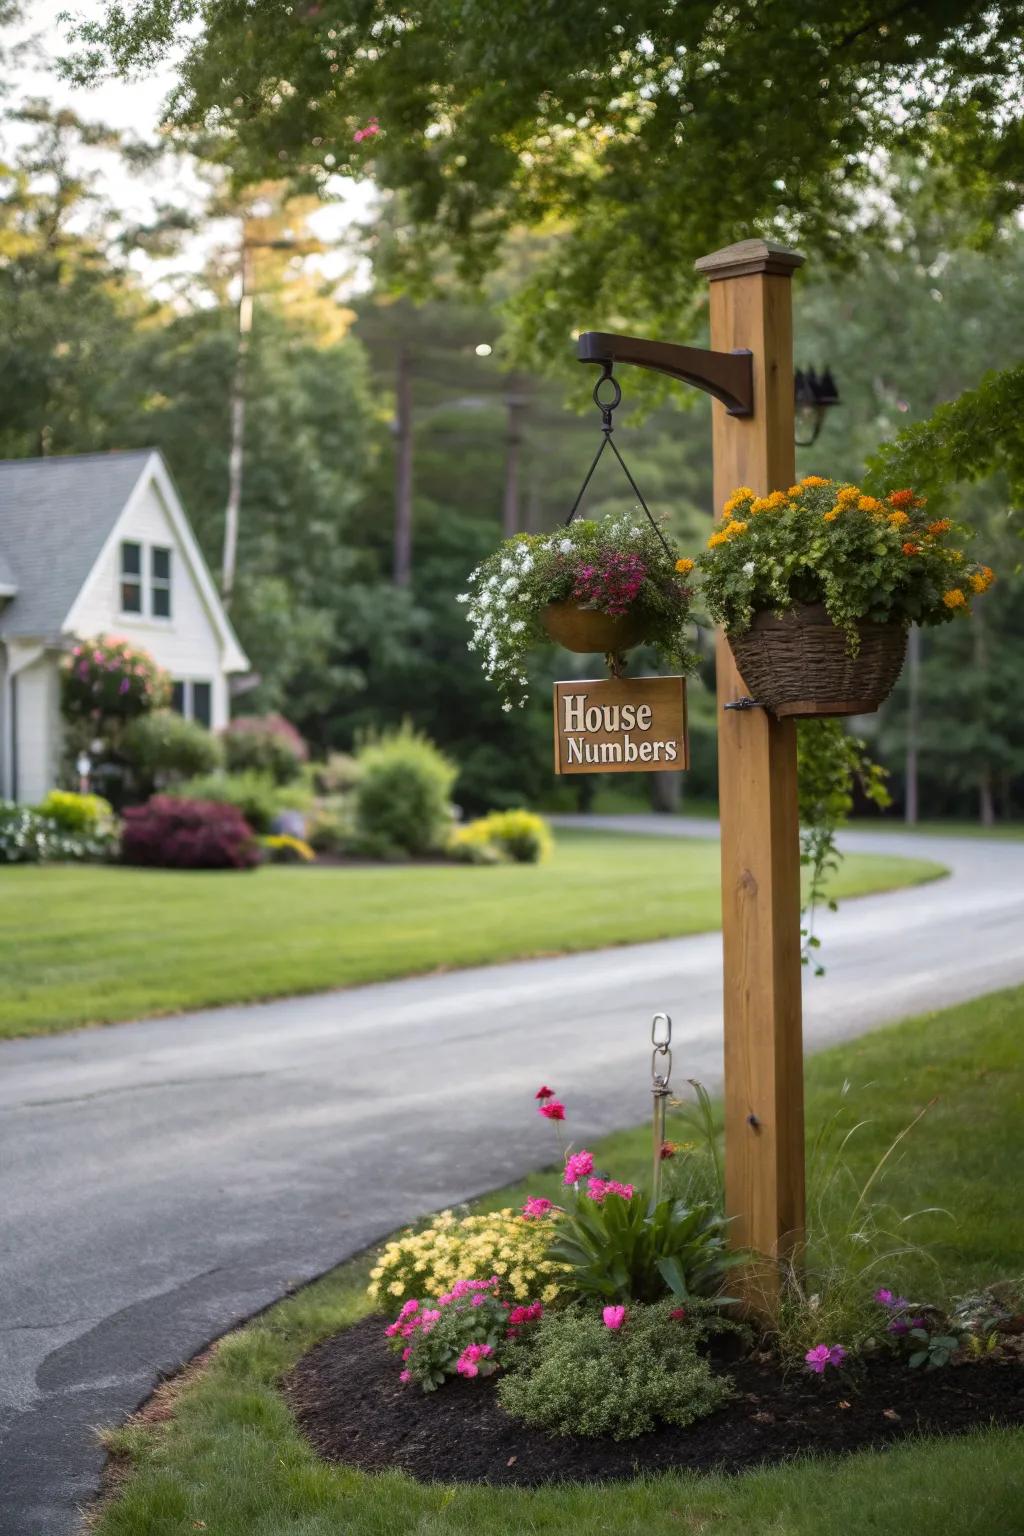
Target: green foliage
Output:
[(330, 824), (337, 775), (881, 561), (164, 747), (266, 744), (520, 836), (254, 794), (830, 764), (466, 1334), (404, 791), (617, 566), (619, 1251), (577, 1377), (77, 813)]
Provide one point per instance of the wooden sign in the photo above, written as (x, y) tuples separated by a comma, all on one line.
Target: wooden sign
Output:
[(621, 725)]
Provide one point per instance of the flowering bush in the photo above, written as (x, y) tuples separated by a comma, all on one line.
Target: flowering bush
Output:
[(282, 848), (864, 558), (467, 1333), (77, 814), (109, 676), (501, 1243), (187, 834), (616, 567), (581, 1376), (267, 744), (520, 836), (919, 1333), (28, 837)]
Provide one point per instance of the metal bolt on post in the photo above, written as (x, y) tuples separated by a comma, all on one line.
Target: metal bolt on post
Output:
[(661, 1040)]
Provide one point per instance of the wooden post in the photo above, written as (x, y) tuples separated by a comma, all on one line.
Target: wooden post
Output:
[(750, 307)]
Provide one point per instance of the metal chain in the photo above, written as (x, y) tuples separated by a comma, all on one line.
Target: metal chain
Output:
[(606, 408)]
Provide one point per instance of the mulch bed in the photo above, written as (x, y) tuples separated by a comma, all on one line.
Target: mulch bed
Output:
[(352, 1408)]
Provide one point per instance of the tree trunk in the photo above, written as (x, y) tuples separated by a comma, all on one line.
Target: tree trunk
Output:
[(232, 511), (402, 566), (910, 772), (516, 405)]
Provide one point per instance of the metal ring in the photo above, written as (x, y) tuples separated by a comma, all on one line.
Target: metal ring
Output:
[(616, 400)]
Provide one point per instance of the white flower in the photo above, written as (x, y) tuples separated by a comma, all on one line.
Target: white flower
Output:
[(463, 597), (485, 599), (566, 546), (506, 706), (527, 565), (510, 584), (748, 569), (517, 626), (506, 564), (635, 531)]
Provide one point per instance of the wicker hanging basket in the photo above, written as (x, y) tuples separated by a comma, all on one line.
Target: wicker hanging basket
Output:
[(590, 632), (798, 664)]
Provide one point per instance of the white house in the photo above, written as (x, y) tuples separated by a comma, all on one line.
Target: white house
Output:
[(98, 544)]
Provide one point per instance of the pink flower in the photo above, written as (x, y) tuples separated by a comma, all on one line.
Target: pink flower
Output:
[(577, 1167), (544, 1093), (531, 1314), (678, 1314), (536, 1206), (824, 1354), (887, 1299), (370, 131), (614, 1317), (468, 1363), (597, 1189), (552, 1111), (405, 1376), (668, 1149)]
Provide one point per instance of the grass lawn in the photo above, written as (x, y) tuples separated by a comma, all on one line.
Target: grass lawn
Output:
[(90, 944), (229, 1459)]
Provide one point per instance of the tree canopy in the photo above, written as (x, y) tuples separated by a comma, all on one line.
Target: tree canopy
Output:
[(645, 135)]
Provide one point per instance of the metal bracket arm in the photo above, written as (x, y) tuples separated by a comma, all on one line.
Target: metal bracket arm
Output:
[(729, 376)]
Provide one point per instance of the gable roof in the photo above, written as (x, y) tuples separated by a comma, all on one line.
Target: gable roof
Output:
[(58, 515), (55, 517)]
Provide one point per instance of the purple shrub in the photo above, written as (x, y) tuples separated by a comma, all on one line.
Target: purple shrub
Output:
[(168, 833)]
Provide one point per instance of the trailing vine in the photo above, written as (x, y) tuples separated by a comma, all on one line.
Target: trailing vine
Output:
[(831, 765)]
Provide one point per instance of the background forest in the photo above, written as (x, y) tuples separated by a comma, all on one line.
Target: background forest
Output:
[(389, 440)]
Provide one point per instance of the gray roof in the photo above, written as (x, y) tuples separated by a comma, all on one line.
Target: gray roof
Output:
[(55, 516)]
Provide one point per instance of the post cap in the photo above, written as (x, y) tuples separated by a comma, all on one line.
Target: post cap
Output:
[(748, 257)]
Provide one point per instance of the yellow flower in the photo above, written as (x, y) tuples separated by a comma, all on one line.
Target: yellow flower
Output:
[(814, 480), (396, 1288), (735, 528), (684, 567), (776, 499), (549, 1293), (830, 517), (795, 490), (982, 578), (847, 495), (898, 519), (716, 539), (743, 493), (954, 598), (941, 525), (759, 504), (870, 504)]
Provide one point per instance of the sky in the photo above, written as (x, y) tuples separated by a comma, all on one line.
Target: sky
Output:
[(136, 105)]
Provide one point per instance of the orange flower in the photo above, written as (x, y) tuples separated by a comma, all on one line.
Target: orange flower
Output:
[(869, 504), (898, 519), (901, 498), (982, 578), (941, 525), (684, 567), (734, 528), (911, 549), (795, 490), (830, 517), (954, 598), (814, 480), (716, 539), (741, 494), (847, 495)]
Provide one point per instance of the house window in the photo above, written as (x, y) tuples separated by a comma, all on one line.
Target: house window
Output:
[(193, 699), (160, 582), (131, 578)]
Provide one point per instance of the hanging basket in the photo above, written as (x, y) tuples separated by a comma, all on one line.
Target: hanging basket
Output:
[(588, 631), (797, 664)]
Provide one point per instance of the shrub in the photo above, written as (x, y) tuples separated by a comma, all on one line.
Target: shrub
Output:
[(27, 837), (77, 813), (403, 793), (330, 824), (577, 1376), (253, 794), (266, 744), (520, 836), (282, 848), (164, 746), (502, 1243), (337, 776), (170, 833), (108, 677)]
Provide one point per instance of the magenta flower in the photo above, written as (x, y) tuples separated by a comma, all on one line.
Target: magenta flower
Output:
[(825, 1354), (553, 1110), (614, 1317), (536, 1206), (577, 1167), (886, 1298), (544, 1093), (468, 1363), (405, 1377)]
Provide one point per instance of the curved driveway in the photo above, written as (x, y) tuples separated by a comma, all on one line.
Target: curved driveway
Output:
[(161, 1181)]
